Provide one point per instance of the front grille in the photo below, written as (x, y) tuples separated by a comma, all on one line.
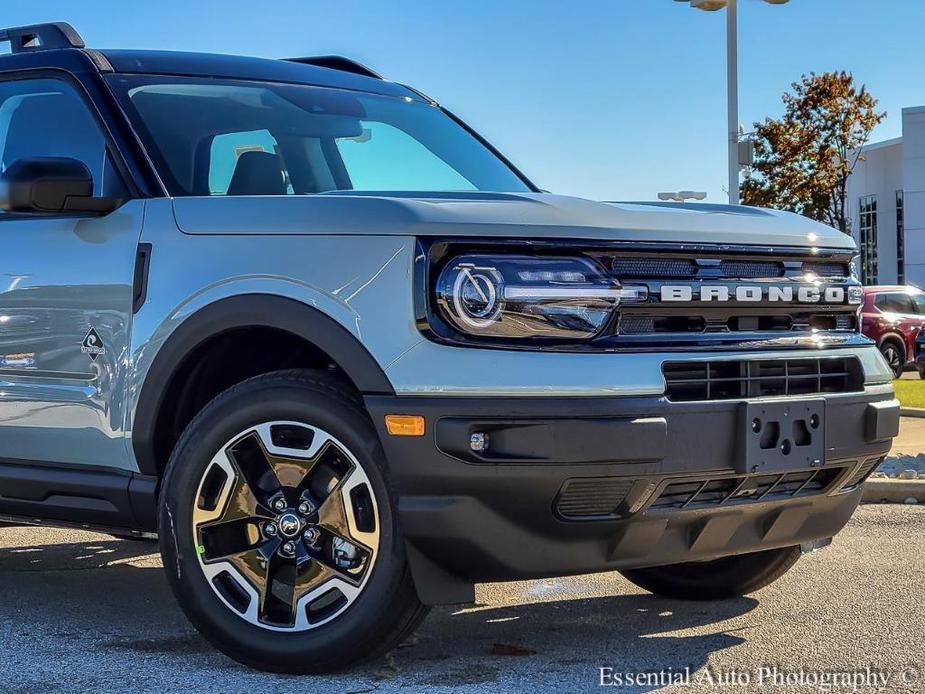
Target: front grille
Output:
[(593, 497), (827, 269), (729, 491), (735, 379), (750, 269), (860, 475), (646, 267), (655, 324)]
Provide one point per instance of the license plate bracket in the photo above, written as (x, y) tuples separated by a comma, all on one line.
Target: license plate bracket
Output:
[(782, 436)]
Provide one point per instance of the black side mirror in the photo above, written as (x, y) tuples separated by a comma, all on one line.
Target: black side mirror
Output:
[(51, 185)]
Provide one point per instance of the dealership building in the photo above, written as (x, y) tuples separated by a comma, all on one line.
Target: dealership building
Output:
[(886, 202)]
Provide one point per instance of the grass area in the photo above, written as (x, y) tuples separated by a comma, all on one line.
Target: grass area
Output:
[(910, 393)]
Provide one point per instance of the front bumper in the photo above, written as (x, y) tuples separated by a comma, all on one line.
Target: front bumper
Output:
[(575, 485)]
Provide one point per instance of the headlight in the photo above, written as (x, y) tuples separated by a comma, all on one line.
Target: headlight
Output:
[(520, 297)]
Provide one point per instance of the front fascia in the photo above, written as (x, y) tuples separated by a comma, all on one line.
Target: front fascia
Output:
[(365, 283), (434, 369)]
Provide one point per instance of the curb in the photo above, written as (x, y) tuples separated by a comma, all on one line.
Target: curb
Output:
[(912, 412), (893, 491)]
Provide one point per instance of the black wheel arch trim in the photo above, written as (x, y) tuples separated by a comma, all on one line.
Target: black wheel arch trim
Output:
[(247, 311)]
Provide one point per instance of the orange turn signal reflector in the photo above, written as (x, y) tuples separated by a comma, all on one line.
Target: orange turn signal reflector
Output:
[(404, 424)]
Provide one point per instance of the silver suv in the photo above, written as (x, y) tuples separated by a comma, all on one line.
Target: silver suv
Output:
[(344, 360)]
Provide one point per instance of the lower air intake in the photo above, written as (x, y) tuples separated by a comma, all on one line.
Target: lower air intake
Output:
[(755, 378)]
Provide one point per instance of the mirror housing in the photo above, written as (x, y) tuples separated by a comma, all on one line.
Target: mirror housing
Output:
[(51, 185)]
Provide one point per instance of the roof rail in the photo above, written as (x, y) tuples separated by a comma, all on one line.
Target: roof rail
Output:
[(337, 62), (37, 37)]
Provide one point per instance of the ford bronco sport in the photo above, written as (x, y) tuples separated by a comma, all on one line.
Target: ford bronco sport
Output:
[(345, 361)]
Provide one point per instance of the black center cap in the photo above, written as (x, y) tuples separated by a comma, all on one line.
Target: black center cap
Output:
[(289, 525)]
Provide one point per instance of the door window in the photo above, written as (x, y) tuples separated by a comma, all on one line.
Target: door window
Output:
[(47, 118), (895, 303), (919, 301)]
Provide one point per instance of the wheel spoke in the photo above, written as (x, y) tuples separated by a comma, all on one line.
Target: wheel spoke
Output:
[(332, 514), (250, 458), (337, 515), (233, 500), (227, 539), (288, 580)]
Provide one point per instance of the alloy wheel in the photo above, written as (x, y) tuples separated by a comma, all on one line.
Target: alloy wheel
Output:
[(893, 358), (286, 526)]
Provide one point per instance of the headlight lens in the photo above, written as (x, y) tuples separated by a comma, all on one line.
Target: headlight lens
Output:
[(520, 297)]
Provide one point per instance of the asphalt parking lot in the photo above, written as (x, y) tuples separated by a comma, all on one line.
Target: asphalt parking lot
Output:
[(86, 612)]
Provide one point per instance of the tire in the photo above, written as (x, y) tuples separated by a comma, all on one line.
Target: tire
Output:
[(720, 579), (894, 358), (317, 455)]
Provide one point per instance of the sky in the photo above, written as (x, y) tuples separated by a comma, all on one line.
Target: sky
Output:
[(607, 99)]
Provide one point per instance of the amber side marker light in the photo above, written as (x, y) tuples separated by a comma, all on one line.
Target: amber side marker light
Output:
[(404, 424)]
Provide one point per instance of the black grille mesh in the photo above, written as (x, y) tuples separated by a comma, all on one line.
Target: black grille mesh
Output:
[(827, 269), (732, 268), (735, 379), (862, 473), (650, 268), (592, 497), (746, 269), (696, 493)]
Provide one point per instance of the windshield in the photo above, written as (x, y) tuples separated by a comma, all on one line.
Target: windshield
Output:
[(221, 137)]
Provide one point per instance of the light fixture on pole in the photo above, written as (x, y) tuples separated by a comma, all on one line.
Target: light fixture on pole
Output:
[(732, 80)]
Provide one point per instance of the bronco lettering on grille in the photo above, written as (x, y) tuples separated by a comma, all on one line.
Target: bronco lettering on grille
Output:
[(800, 294)]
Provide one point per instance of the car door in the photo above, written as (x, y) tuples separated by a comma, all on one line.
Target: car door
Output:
[(65, 291)]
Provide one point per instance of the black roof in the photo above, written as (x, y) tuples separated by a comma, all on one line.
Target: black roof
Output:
[(242, 67), (57, 45)]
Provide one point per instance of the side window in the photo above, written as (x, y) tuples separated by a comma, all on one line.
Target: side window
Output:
[(885, 302), (895, 303), (226, 152), (919, 301), (904, 304), (47, 118), (386, 158)]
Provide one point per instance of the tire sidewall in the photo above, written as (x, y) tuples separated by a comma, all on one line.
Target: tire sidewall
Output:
[(251, 403)]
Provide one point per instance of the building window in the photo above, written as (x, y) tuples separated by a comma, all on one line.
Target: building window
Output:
[(868, 220), (900, 239)]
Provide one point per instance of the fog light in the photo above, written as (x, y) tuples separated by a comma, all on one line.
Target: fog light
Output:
[(478, 442)]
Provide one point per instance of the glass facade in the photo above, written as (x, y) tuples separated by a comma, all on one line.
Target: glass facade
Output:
[(868, 233), (900, 239)]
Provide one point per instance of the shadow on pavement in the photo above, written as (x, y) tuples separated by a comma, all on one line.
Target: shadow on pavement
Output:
[(73, 555), (106, 604), (628, 633)]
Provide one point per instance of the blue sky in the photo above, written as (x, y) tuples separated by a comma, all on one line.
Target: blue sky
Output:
[(610, 99)]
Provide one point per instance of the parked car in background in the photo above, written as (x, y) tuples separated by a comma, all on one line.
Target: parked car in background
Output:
[(920, 354), (894, 316)]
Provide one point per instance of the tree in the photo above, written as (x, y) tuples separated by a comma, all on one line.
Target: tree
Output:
[(804, 159)]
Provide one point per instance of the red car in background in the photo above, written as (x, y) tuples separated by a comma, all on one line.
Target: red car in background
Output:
[(894, 317)]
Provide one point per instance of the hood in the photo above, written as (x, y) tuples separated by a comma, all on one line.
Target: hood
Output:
[(503, 215)]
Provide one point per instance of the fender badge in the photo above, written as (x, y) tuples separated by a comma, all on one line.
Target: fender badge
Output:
[(92, 345)]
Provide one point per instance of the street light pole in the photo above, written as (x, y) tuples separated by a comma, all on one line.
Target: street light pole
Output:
[(732, 86), (732, 80)]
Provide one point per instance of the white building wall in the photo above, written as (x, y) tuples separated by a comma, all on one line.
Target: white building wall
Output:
[(880, 173), (913, 170)]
